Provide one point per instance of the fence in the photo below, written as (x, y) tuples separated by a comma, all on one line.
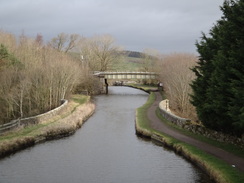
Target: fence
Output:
[(33, 120), (11, 125)]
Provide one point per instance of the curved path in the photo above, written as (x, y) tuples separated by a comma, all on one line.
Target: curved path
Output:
[(157, 124)]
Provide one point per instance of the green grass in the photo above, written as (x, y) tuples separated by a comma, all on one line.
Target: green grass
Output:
[(142, 112), (24, 132), (30, 130), (144, 87), (225, 146), (221, 171), (127, 64), (81, 99), (123, 63)]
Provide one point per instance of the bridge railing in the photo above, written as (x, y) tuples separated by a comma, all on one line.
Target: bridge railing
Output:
[(122, 72), (126, 75)]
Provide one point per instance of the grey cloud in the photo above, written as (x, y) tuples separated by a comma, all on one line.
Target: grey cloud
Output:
[(136, 24)]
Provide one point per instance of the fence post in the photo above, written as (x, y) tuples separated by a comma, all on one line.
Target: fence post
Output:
[(19, 120)]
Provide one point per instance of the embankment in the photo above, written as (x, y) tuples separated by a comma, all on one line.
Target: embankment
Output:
[(58, 126), (216, 168)]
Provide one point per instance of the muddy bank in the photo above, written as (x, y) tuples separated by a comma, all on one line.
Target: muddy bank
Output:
[(61, 125)]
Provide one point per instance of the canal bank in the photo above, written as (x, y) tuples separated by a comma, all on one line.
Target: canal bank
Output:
[(62, 125), (179, 147), (105, 149), (218, 165)]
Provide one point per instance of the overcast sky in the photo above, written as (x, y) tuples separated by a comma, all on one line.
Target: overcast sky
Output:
[(168, 26)]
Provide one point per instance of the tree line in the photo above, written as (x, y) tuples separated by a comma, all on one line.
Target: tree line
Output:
[(209, 87), (35, 76), (176, 76)]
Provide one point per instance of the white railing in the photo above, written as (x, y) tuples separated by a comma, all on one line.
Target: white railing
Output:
[(126, 75)]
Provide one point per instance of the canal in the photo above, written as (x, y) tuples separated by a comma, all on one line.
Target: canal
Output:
[(104, 150)]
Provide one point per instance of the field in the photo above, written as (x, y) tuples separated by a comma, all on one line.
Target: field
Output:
[(126, 63)]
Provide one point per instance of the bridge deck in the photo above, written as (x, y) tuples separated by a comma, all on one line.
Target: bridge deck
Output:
[(126, 75)]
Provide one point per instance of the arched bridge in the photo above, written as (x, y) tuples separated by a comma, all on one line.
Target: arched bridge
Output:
[(123, 76)]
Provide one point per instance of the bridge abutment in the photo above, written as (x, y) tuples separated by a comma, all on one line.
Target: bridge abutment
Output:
[(106, 86)]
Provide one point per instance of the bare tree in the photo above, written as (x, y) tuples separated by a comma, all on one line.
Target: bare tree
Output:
[(176, 76), (7, 106), (39, 39), (72, 42), (43, 77), (64, 42), (99, 52), (8, 40), (150, 58)]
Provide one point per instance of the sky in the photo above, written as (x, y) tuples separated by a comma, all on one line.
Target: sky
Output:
[(163, 25)]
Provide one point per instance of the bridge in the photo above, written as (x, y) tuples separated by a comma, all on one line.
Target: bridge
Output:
[(126, 75), (123, 76)]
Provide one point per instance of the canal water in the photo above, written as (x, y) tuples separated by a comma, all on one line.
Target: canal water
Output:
[(104, 150)]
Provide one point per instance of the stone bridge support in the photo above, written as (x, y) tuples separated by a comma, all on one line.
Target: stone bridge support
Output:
[(105, 85)]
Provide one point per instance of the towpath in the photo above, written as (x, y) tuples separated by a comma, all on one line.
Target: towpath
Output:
[(157, 124)]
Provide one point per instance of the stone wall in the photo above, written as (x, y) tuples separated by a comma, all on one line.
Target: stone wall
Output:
[(166, 113), (219, 136), (197, 129), (34, 119), (45, 116)]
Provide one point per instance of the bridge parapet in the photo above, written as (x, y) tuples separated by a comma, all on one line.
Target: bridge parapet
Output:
[(126, 75)]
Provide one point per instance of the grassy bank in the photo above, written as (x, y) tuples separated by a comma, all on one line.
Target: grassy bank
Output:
[(222, 145), (78, 110), (216, 168), (146, 88)]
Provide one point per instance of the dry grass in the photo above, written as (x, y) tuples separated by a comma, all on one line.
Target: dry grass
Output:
[(70, 123), (61, 125)]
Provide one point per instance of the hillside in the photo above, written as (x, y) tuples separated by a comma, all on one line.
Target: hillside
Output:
[(126, 61)]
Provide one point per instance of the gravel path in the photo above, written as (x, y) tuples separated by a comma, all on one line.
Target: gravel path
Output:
[(156, 123)]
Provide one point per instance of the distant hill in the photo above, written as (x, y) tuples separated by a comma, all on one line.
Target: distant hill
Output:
[(134, 54), (130, 60)]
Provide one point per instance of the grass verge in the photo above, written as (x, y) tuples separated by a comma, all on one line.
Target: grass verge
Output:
[(142, 87), (222, 145), (80, 99), (219, 170)]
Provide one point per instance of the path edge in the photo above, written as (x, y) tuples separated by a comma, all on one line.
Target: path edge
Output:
[(180, 149)]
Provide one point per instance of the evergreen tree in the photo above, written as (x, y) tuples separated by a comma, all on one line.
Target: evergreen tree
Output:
[(218, 90), (8, 59), (3, 54)]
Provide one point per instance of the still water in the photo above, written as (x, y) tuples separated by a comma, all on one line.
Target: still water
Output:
[(104, 150)]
